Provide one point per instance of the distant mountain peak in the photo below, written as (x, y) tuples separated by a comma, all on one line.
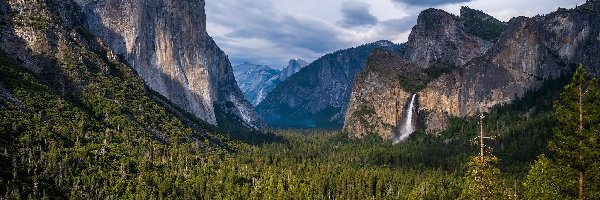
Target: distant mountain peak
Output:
[(297, 61), (294, 66), (256, 81)]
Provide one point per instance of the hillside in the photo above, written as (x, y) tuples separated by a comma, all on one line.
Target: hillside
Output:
[(166, 43), (77, 122), (317, 96)]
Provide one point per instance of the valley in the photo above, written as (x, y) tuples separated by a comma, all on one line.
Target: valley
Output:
[(132, 99)]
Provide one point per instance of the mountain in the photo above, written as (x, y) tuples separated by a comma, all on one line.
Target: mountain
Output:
[(440, 38), (256, 81), (166, 42), (294, 66), (71, 111), (483, 63), (317, 96)]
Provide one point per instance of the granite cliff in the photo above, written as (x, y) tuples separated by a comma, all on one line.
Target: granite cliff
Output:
[(166, 42), (480, 63), (56, 74)]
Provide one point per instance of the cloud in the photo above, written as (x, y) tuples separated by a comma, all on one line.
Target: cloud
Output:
[(356, 14), (396, 26), (258, 32), (273, 31), (430, 2)]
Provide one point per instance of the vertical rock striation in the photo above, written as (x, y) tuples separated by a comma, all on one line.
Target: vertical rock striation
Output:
[(166, 42)]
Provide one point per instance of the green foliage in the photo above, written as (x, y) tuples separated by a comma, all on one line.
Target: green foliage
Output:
[(438, 69), (482, 180), (487, 29), (111, 141), (362, 113), (115, 142), (412, 83), (415, 82), (326, 164), (576, 138), (545, 181)]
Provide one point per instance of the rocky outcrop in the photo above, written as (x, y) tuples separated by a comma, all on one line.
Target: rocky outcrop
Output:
[(442, 38), (517, 63), (256, 81), (377, 100), (493, 64), (318, 95), (294, 66), (166, 42)]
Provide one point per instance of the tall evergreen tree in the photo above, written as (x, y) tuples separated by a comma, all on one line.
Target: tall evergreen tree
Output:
[(545, 181), (575, 142), (482, 180)]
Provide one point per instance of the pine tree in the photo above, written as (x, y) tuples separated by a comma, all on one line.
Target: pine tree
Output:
[(575, 142), (545, 181), (482, 178)]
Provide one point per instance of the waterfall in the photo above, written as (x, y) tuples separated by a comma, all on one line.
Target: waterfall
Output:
[(408, 125)]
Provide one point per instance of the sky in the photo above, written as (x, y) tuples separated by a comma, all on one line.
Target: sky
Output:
[(271, 32)]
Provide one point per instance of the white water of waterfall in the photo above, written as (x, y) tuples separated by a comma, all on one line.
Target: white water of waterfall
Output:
[(408, 127)]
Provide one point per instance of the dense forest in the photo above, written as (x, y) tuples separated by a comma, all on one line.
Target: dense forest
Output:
[(76, 122), (112, 141)]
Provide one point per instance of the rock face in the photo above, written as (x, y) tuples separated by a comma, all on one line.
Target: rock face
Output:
[(166, 42), (377, 100), (256, 81), (480, 67), (294, 66), (440, 37), (66, 63), (317, 96)]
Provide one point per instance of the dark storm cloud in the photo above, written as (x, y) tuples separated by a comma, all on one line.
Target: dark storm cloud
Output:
[(429, 2), (355, 14)]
